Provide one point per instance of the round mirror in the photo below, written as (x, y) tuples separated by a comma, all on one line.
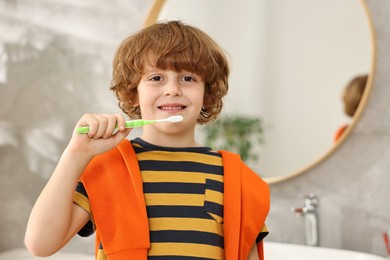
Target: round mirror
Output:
[(290, 63)]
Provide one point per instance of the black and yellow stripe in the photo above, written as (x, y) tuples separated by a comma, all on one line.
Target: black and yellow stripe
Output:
[(183, 191)]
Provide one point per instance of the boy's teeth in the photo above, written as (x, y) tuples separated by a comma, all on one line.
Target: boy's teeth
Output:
[(172, 108)]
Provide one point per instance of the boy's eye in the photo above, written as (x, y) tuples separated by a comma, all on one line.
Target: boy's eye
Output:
[(155, 78), (188, 78)]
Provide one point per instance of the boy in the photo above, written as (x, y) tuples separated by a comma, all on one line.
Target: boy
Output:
[(163, 195)]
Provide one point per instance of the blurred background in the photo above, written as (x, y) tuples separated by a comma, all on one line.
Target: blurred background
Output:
[(55, 65)]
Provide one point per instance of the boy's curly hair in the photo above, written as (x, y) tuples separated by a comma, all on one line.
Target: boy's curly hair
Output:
[(176, 46)]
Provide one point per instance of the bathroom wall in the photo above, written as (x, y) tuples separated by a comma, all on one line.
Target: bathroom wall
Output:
[(353, 184), (55, 65)]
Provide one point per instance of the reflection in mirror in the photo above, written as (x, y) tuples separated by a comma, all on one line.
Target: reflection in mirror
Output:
[(352, 97), (290, 62)]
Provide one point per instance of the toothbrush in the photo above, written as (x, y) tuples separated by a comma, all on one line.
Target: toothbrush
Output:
[(137, 123)]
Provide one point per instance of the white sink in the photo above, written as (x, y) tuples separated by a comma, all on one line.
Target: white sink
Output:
[(283, 251), (272, 251)]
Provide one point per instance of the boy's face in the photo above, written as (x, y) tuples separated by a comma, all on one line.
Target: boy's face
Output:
[(164, 93)]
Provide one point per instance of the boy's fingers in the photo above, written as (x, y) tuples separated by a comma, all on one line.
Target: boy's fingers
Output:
[(91, 121), (121, 122), (101, 126), (110, 127)]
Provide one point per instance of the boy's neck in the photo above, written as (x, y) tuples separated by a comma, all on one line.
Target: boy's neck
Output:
[(186, 139)]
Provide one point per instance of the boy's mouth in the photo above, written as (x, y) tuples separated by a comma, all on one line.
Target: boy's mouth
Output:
[(175, 107)]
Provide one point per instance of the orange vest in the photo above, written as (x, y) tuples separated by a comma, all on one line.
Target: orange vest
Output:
[(114, 185)]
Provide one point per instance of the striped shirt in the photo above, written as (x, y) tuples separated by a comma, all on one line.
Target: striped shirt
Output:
[(183, 190)]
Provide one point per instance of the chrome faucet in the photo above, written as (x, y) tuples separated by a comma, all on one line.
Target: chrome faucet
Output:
[(310, 214)]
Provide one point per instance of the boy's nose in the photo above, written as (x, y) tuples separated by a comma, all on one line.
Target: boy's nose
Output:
[(172, 89)]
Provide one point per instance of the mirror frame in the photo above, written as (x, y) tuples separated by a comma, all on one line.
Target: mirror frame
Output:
[(152, 18)]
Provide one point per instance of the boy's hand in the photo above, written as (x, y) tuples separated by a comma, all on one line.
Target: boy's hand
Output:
[(102, 134)]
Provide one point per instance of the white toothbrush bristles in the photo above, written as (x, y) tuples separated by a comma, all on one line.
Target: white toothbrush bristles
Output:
[(171, 119), (174, 119)]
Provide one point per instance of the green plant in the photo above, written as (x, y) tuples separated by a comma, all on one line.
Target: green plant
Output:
[(236, 133)]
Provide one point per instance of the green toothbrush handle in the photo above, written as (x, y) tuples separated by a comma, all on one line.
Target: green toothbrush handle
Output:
[(83, 130), (138, 123), (129, 124)]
